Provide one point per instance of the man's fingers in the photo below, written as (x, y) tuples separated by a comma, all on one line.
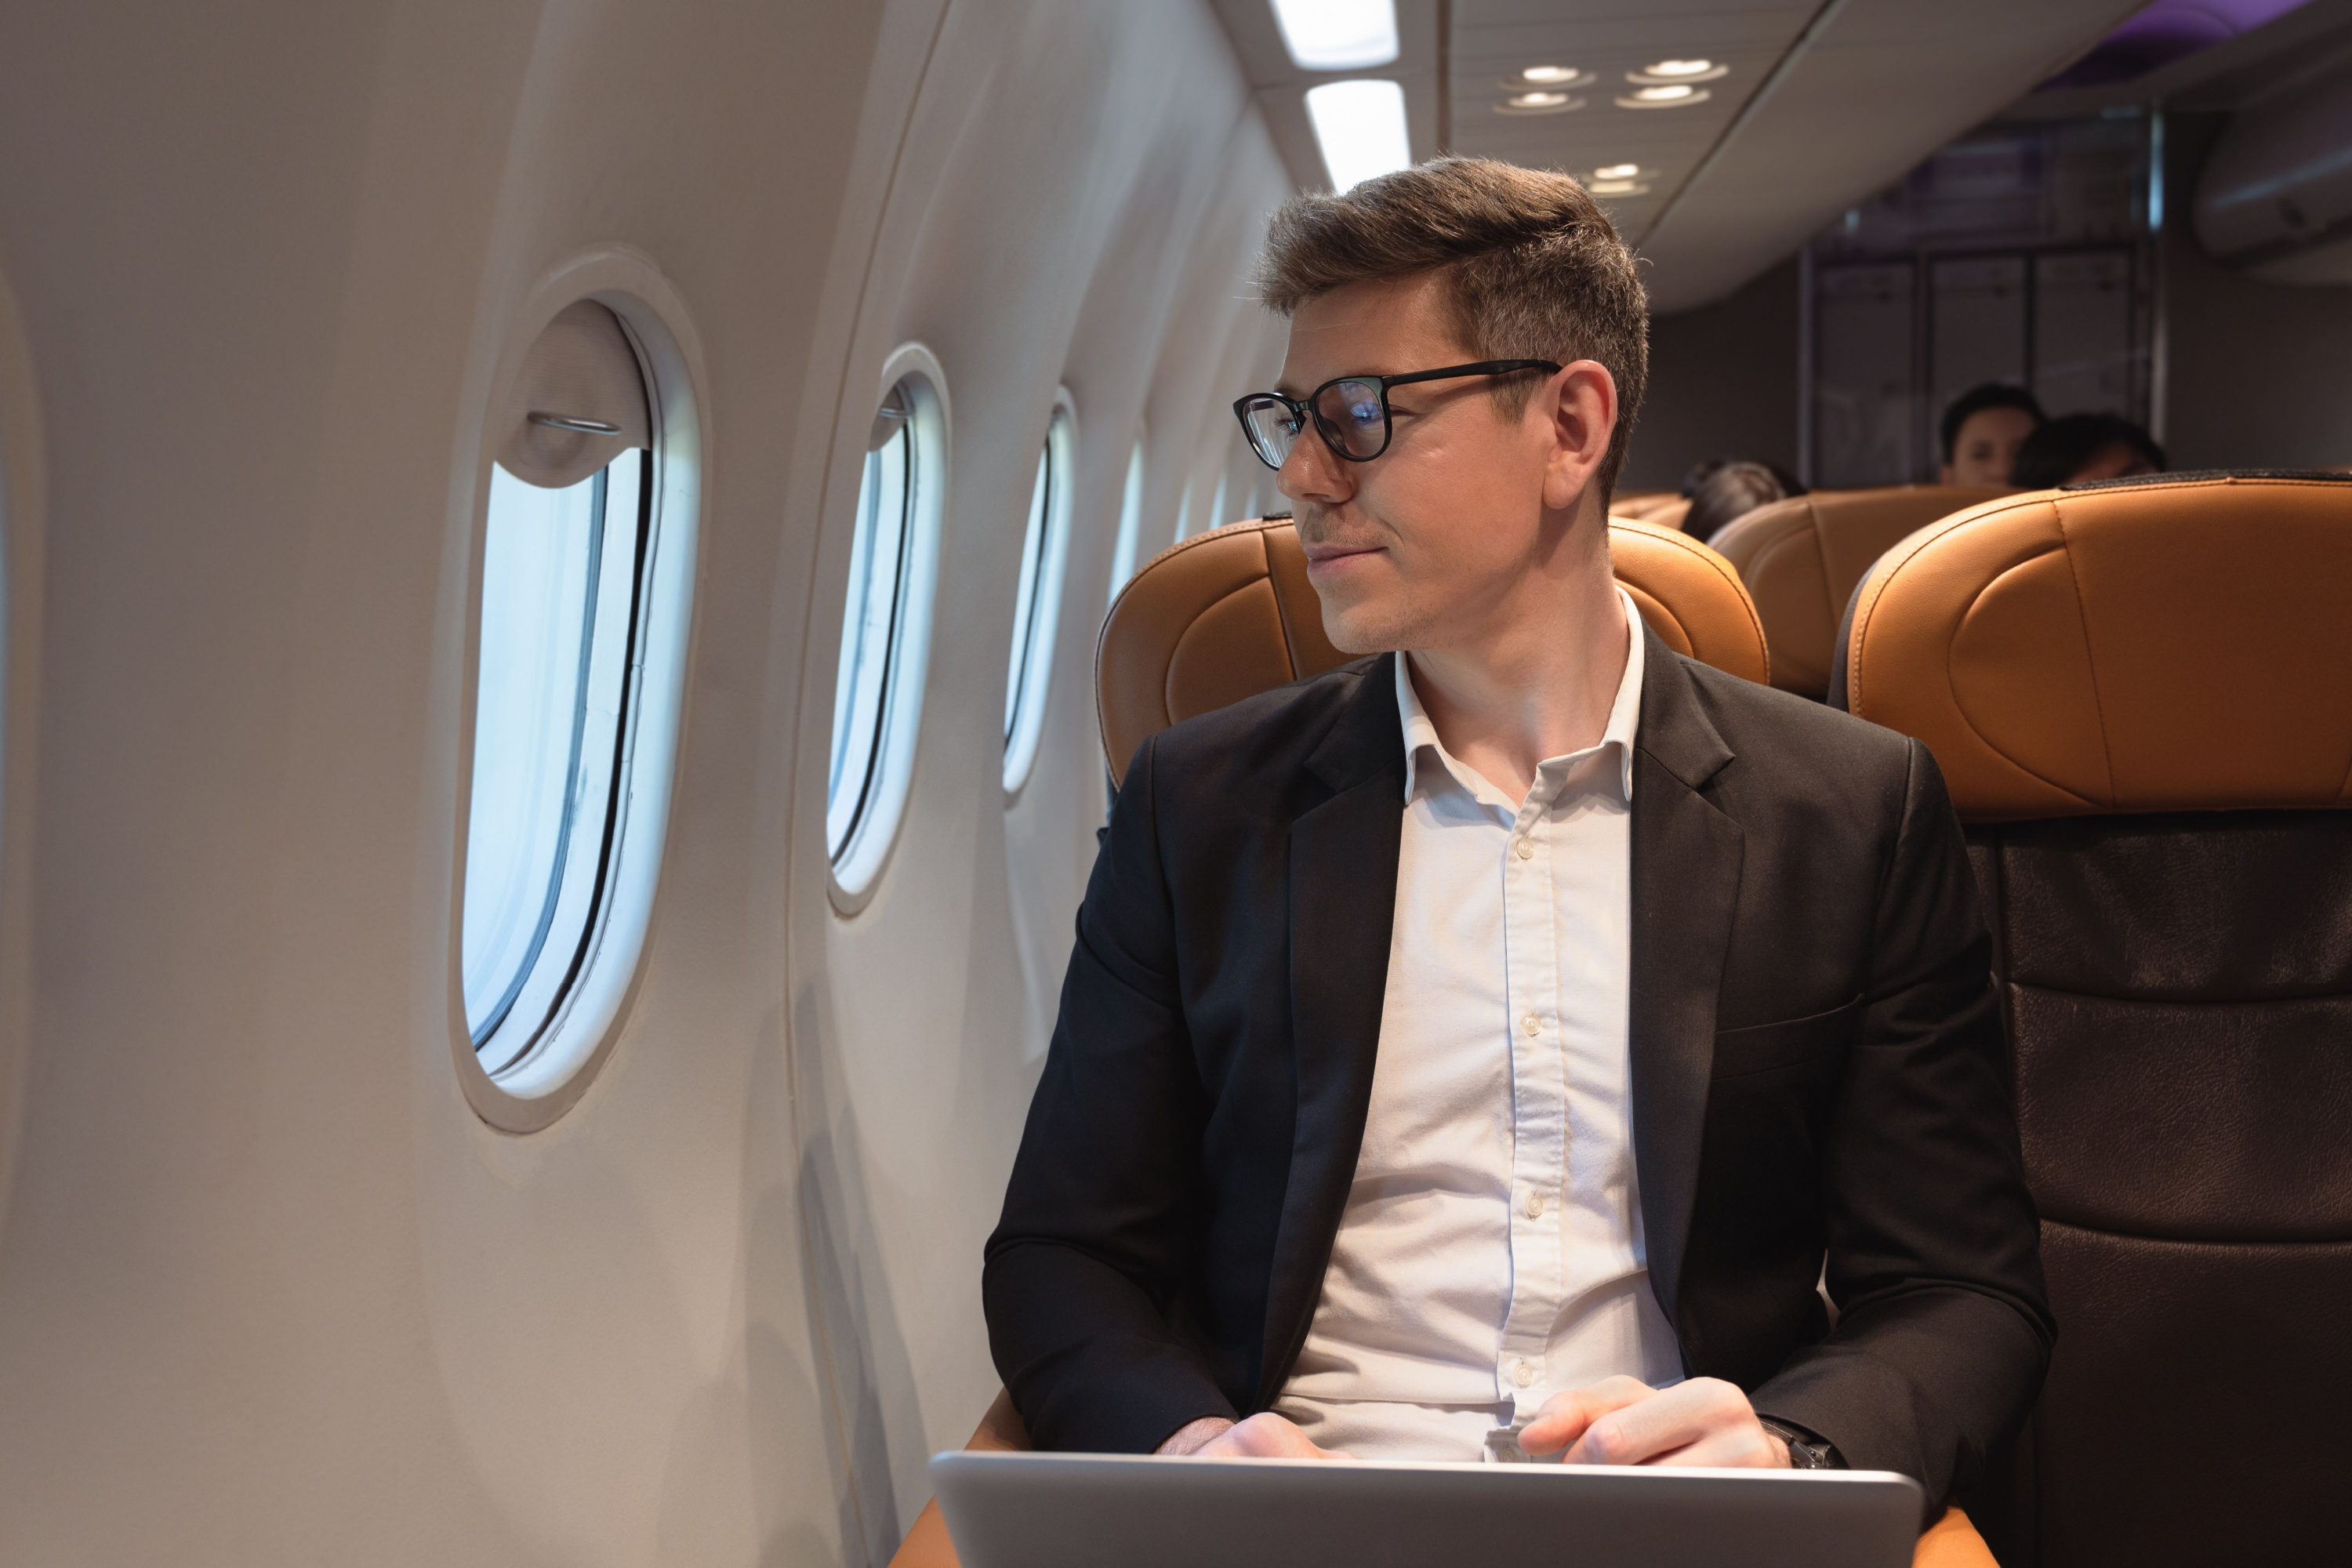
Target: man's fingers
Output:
[(1679, 1416), (1751, 1449), (1266, 1436), (1565, 1417)]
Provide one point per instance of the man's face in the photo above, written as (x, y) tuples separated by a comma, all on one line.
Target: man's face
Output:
[(1987, 447), (1422, 547)]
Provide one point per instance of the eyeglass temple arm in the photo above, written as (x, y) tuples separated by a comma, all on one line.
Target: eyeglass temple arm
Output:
[(1484, 368)]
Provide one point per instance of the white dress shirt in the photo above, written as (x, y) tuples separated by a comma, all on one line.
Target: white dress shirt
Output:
[(1490, 1254)]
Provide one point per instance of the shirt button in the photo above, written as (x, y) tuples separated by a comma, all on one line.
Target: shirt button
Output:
[(1535, 1206), (1522, 1374), (1532, 1025), (1526, 850)]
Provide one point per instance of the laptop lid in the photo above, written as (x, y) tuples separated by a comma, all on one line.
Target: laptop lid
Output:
[(1086, 1510)]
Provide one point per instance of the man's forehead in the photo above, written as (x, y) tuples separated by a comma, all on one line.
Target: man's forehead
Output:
[(1374, 327)]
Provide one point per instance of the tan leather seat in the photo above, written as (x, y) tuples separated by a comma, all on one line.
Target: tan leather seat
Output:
[(1640, 503), (1229, 613), (1664, 508), (1801, 557), (2140, 693)]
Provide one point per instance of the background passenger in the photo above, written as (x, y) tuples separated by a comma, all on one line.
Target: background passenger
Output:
[(1733, 490), (1701, 471), (1982, 430), (2084, 447)]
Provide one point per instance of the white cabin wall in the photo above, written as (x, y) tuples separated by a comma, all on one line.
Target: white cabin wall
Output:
[(270, 1291), (920, 1021)]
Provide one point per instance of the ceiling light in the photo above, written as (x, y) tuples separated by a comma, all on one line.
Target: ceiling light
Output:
[(1618, 189), (1359, 125), (1676, 96), (1616, 171), (1661, 72), (1538, 103), (1551, 78), (1338, 35)]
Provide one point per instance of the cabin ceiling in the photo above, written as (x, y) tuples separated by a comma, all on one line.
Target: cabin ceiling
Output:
[(1823, 104)]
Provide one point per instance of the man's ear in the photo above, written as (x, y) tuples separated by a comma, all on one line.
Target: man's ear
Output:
[(1580, 403)]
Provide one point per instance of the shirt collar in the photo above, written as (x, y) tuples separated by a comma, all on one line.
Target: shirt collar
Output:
[(1625, 712)]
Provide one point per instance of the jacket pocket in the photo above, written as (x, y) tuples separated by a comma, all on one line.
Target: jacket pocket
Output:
[(1760, 1048)]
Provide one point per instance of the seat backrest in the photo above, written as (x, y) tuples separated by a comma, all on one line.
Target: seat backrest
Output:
[(1801, 557), (2140, 693), (1664, 508), (1228, 613)]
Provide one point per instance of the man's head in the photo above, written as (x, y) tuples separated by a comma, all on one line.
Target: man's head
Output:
[(1982, 430), (1489, 484), (2085, 447), (1731, 493)]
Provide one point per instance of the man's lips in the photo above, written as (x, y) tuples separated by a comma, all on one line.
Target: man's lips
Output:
[(1323, 553)]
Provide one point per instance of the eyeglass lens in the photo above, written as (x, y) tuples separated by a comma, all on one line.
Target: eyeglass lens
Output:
[(1271, 430), (1349, 413)]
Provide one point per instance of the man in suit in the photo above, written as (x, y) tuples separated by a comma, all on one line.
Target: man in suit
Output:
[(1483, 1051)]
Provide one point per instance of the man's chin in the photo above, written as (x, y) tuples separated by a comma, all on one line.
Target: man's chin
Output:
[(1357, 629)]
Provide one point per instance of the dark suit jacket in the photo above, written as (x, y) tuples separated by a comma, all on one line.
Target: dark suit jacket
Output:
[(1817, 1071)]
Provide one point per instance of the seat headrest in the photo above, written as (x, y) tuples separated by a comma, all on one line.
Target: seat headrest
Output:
[(1664, 508), (1800, 558), (1230, 613), (2174, 643)]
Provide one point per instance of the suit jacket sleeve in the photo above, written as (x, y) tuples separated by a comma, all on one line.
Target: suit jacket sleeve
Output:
[(1087, 1263), (1944, 1330)]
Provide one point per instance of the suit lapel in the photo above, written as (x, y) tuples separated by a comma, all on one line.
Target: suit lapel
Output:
[(1685, 884), (1343, 871)]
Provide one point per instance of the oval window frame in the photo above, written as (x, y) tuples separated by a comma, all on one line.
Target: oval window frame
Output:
[(1060, 449), (560, 1070), (853, 875)]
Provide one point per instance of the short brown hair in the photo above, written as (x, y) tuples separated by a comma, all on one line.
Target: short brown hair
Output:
[(1533, 267)]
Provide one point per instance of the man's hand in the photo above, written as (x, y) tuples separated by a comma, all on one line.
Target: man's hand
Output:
[(1263, 1435), (1622, 1421)]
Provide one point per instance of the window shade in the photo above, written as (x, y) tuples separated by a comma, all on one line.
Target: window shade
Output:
[(581, 372)]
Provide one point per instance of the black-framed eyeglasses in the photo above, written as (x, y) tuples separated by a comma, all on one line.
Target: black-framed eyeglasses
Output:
[(1351, 412)]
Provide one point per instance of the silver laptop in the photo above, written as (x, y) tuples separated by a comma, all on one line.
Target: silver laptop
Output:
[(1103, 1510)]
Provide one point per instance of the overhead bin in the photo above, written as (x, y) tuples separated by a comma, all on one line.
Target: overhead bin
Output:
[(2276, 197)]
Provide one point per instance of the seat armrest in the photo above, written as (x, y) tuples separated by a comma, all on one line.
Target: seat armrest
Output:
[(1951, 1543), (1000, 1432)]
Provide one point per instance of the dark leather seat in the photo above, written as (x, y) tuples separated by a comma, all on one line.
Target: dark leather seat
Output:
[(1801, 557), (2141, 694), (1228, 613)]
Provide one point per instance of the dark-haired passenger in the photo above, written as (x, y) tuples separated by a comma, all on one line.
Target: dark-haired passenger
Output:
[(1982, 431), (2080, 447), (1733, 490)]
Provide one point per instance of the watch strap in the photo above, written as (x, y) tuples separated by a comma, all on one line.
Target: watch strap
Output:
[(1807, 1451)]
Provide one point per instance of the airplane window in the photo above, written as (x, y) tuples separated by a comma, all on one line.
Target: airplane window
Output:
[(1130, 523), (565, 565), (878, 688), (1037, 605)]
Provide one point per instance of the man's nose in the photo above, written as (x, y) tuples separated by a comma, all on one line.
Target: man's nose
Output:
[(1313, 473)]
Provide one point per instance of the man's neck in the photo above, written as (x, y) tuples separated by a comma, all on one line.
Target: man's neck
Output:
[(1539, 684)]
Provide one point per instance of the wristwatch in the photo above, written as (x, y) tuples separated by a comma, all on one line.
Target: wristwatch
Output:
[(1806, 1452)]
